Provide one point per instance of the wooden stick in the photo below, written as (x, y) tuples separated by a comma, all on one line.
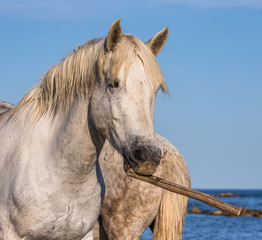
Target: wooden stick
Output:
[(188, 192)]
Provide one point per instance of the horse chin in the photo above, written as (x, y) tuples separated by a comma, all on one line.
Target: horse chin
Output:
[(146, 168)]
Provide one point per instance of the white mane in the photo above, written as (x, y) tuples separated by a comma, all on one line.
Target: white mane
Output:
[(76, 75)]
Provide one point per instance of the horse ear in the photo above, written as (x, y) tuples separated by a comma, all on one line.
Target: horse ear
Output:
[(114, 35), (157, 42)]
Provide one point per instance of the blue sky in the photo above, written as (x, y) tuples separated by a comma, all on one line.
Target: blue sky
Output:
[(212, 63)]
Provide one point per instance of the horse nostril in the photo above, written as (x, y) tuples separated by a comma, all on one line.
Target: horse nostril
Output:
[(137, 154)]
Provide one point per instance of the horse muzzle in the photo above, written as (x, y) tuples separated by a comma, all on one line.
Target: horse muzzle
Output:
[(144, 160)]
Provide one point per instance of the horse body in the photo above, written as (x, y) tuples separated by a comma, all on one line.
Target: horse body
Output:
[(44, 191), (130, 205), (51, 184)]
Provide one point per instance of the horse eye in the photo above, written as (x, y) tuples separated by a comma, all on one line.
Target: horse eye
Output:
[(114, 84)]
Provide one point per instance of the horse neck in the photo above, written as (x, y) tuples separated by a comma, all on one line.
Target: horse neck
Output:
[(72, 140), (78, 141)]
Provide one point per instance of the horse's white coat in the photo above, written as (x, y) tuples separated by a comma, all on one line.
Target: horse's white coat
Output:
[(127, 110), (44, 191), (50, 181)]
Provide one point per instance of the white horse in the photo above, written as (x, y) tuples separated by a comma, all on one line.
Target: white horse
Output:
[(130, 205), (50, 181)]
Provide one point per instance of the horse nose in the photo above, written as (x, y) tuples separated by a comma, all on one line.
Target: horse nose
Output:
[(137, 154), (146, 154), (145, 159)]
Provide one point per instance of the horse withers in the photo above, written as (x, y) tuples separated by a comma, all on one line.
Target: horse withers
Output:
[(51, 185)]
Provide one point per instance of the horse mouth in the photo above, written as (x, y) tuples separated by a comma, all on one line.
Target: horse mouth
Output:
[(142, 168)]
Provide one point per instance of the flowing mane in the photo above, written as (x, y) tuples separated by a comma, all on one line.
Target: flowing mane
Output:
[(72, 78), (77, 73)]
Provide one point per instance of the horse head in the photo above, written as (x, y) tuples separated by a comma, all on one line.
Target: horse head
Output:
[(123, 99)]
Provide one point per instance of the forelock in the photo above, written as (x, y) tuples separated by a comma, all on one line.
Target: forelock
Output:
[(124, 55)]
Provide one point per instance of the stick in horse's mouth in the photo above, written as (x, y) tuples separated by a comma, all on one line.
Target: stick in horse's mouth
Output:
[(188, 192)]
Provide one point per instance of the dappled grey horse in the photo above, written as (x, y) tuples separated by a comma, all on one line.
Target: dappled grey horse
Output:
[(50, 181), (130, 206)]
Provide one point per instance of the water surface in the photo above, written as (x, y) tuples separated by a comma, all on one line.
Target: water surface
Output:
[(208, 227)]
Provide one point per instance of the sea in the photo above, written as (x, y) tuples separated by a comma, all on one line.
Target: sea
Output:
[(211, 227)]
